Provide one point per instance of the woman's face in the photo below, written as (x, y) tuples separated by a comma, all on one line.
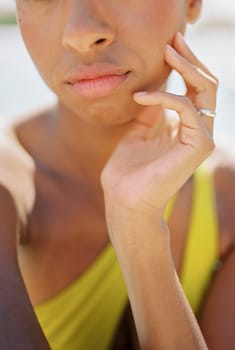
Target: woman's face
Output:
[(95, 54)]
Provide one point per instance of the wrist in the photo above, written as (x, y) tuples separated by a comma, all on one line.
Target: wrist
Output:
[(119, 215), (134, 232)]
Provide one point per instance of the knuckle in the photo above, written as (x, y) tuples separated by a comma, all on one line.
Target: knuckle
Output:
[(209, 145), (216, 80), (186, 102), (212, 84)]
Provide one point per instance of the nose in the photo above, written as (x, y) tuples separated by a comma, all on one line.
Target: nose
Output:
[(85, 30)]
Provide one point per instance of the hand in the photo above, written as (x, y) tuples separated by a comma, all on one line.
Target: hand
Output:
[(146, 170)]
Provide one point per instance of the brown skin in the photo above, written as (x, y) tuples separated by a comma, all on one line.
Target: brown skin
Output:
[(70, 145)]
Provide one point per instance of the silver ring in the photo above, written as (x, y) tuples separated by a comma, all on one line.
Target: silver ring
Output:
[(203, 112)]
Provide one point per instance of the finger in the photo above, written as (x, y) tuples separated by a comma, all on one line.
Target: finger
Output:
[(204, 85), (183, 49), (181, 104), (193, 75), (192, 143)]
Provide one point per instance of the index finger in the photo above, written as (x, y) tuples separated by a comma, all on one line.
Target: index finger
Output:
[(181, 46), (201, 87)]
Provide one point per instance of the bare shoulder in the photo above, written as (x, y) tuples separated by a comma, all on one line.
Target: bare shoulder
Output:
[(16, 171), (217, 315), (18, 166), (222, 165)]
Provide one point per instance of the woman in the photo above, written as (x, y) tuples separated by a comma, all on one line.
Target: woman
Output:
[(101, 166)]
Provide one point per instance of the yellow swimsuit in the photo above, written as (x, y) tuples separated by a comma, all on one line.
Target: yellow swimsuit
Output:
[(85, 315), (202, 246)]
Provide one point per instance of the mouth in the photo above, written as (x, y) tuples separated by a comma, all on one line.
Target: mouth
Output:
[(96, 81)]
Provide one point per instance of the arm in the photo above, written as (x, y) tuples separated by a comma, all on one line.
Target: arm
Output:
[(217, 317), (19, 326), (140, 177), (163, 317)]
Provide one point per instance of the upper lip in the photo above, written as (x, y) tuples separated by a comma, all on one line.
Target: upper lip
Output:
[(94, 71)]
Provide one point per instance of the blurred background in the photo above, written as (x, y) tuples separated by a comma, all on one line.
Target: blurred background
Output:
[(212, 39)]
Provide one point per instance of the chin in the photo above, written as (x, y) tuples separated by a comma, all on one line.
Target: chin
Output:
[(111, 116), (107, 112)]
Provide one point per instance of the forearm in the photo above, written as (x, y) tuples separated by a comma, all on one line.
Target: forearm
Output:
[(19, 326), (163, 318)]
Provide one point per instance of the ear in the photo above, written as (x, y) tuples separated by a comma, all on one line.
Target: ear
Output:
[(193, 10)]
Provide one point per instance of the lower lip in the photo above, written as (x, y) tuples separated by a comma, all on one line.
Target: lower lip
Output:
[(99, 87)]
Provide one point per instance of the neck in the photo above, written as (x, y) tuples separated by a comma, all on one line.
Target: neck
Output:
[(82, 149)]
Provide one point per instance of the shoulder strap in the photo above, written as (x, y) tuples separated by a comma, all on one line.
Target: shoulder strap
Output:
[(201, 251)]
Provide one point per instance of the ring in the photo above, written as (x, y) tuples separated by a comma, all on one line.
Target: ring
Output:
[(203, 112)]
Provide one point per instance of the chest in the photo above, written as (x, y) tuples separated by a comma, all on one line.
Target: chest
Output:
[(67, 232)]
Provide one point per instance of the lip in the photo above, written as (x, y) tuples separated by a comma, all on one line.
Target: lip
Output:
[(97, 80)]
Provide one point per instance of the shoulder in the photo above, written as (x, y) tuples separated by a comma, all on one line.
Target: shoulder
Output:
[(16, 171), (222, 167), (217, 314)]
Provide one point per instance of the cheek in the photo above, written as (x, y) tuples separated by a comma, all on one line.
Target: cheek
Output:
[(38, 41), (158, 21)]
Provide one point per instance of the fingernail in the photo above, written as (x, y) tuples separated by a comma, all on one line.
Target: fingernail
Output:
[(180, 37), (170, 48), (140, 94)]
